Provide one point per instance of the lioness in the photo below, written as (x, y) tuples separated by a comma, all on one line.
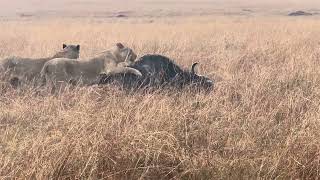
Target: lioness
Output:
[(84, 72), (28, 68)]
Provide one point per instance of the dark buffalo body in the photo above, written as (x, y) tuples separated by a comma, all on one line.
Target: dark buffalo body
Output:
[(157, 71)]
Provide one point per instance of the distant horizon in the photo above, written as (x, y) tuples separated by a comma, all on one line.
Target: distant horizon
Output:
[(14, 7)]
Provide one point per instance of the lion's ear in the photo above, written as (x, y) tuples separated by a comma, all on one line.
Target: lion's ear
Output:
[(120, 45), (64, 46)]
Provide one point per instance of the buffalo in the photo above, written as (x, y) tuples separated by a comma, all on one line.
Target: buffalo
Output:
[(157, 72)]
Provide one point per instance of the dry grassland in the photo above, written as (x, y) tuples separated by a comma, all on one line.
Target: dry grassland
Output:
[(261, 121)]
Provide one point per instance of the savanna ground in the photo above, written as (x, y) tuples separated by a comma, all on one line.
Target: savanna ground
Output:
[(261, 121)]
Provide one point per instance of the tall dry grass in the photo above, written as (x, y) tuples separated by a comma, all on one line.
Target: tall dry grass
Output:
[(261, 121)]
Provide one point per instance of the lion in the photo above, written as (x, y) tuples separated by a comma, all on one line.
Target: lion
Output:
[(84, 72), (29, 68)]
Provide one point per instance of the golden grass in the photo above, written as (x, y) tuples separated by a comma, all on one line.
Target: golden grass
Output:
[(262, 120)]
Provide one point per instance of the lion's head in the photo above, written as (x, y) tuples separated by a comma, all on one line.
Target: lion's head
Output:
[(68, 51), (123, 53)]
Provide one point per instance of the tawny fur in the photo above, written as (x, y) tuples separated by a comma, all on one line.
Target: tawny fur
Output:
[(30, 68), (84, 72)]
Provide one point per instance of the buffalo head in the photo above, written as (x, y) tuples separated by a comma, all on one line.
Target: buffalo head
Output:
[(190, 78)]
